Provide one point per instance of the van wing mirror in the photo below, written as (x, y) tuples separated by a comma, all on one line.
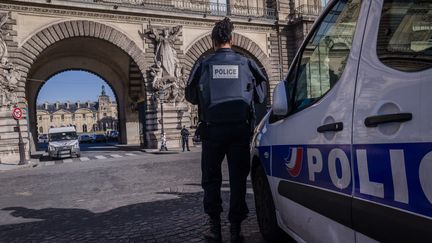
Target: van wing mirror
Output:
[(280, 99)]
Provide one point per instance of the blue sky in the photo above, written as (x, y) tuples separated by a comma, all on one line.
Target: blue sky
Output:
[(73, 86)]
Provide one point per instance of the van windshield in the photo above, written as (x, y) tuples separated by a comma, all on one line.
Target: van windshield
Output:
[(61, 136)]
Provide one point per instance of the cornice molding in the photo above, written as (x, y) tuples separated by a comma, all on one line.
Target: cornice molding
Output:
[(128, 18)]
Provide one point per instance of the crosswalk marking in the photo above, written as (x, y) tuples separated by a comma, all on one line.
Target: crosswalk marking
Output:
[(95, 157)]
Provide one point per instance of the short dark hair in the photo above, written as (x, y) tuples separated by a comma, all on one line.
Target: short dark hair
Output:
[(222, 31)]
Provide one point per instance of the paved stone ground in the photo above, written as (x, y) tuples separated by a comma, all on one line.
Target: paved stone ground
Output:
[(148, 198)]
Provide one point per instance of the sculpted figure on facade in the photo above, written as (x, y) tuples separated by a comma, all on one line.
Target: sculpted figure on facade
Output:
[(156, 73), (167, 74), (165, 52), (9, 76)]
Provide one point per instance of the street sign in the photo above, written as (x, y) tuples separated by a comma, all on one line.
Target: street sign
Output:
[(17, 113)]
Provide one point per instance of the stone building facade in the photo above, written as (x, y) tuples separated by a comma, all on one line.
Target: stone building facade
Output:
[(86, 117), (123, 41)]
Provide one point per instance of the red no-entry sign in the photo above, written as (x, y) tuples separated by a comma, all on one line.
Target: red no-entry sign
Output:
[(17, 113)]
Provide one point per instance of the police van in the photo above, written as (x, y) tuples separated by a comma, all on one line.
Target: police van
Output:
[(345, 154)]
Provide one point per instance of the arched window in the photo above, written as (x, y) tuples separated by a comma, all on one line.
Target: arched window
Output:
[(84, 128)]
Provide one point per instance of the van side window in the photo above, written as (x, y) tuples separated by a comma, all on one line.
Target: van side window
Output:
[(324, 58), (405, 35)]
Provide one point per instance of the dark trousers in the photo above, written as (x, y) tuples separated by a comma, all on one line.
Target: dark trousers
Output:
[(185, 143), (231, 141)]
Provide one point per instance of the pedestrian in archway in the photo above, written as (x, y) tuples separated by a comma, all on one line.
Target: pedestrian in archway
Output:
[(185, 138), (225, 85)]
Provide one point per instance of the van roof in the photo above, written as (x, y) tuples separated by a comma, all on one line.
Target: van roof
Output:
[(61, 129)]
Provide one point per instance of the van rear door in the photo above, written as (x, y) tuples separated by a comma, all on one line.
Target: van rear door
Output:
[(311, 147), (392, 138)]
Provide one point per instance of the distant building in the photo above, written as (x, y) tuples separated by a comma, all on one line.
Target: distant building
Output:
[(86, 117)]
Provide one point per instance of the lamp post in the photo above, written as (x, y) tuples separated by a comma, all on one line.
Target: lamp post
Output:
[(161, 95)]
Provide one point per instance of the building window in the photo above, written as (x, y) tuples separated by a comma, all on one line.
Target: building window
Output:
[(73, 117), (40, 118), (62, 117), (51, 118), (105, 114), (84, 116), (40, 130), (84, 128)]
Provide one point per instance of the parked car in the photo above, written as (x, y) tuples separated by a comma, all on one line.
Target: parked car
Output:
[(63, 142), (345, 154), (112, 135), (43, 138), (85, 138), (100, 138)]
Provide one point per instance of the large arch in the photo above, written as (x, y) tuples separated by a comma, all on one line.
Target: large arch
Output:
[(38, 42), (91, 46)]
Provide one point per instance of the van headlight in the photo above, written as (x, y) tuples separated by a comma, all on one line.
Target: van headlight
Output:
[(76, 146), (51, 148)]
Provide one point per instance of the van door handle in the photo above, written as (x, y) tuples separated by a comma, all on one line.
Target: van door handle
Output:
[(331, 127), (374, 121)]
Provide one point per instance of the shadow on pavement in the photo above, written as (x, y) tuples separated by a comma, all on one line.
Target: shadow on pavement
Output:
[(173, 220)]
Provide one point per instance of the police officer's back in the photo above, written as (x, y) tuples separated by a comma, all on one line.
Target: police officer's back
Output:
[(224, 85)]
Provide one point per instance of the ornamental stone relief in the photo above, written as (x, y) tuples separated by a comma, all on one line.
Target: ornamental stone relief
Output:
[(9, 76), (167, 76)]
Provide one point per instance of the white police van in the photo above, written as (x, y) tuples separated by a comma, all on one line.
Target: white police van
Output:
[(345, 154)]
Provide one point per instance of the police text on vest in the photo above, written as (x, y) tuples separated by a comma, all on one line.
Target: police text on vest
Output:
[(225, 71)]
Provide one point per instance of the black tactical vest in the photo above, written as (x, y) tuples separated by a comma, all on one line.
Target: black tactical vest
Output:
[(226, 89)]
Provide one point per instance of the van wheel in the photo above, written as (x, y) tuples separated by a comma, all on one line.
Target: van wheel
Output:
[(265, 209)]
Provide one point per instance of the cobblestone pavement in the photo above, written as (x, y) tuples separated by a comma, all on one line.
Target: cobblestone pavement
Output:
[(108, 202)]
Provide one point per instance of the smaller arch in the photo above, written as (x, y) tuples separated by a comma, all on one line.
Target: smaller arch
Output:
[(203, 45)]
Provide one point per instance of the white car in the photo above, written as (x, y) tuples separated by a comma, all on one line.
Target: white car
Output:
[(345, 154), (63, 142)]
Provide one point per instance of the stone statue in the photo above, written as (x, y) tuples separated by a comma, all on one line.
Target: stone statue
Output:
[(3, 47), (165, 52), (166, 75), (9, 76), (156, 75)]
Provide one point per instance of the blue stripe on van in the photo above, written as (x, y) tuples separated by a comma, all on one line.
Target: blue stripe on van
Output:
[(286, 159)]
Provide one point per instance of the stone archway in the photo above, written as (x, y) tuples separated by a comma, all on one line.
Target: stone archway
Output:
[(44, 38), (90, 46)]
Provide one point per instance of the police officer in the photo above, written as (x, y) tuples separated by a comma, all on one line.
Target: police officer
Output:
[(185, 138), (224, 85)]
